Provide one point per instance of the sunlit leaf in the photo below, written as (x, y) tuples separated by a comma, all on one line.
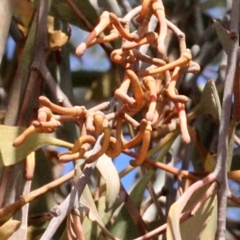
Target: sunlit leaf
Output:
[(8, 228), (87, 201), (222, 35), (108, 171), (197, 223), (209, 210), (203, 224), (91, 228), (11, 155)]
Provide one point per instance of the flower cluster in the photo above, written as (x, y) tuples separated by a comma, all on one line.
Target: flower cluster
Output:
[(147, 90)]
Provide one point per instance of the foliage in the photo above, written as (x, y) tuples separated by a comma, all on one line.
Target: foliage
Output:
[(182, 138)]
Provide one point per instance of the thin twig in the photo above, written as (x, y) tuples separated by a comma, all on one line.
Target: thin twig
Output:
[(7, 211), (164, 167), (77, 224), (53, 86), (79, 14)]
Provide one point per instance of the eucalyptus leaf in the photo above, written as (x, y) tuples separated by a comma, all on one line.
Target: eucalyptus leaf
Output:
[(109, 172), (6, 17), (124, 226), (8, 228), (210, 102), (138, 191), (35, 232), (203, 224), (209, 212), (61, 10), (222, 35), (209, 162), (11, 155), (91, 228), (18, 88), (197, 223), (87, 201)]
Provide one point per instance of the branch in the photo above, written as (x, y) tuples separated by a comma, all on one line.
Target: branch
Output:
[(68, 204), (165, 167), (222, 150), (184, 199)]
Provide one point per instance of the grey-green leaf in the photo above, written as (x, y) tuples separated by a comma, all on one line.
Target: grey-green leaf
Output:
[(203, 224), (198, 224), (124, 226), (87, 201), (222, 35), (108, 171), (11, 155), (8, 228), (61, 10), (91, 228), (210, 102)]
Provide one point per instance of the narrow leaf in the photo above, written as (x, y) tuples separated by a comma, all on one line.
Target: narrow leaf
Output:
[(91, 228), (8, 228), (87, 201), (108, 171), (222, 35), (175, 230), (11, 155), (203, 224), (210, 102), (124, 226)]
